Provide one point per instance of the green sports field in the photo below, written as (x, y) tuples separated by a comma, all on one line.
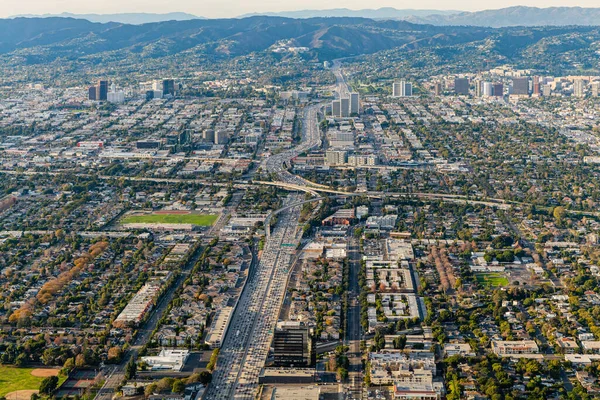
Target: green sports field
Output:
[(12, 379), (195, 219), (491, 279)]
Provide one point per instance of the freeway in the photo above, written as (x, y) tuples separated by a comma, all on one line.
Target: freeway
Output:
[(250, 333), (249, 336)]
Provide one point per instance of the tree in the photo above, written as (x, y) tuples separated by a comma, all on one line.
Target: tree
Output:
[(205, 377), (559, 213), (178, 386), (342, 373), (130, 369), (114, 354), (400, 342), (49, 385), (150, 389)]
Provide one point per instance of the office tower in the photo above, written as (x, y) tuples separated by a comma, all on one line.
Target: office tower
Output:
[(488, 89), (345, 105), (546, 90), (292, 346), (595, 89), (461, 86), (578, 88), (115, 96), (396, 89), (498, 89), (336, 157), (520, 86), (149, 95), (168, 87), (479, 88), (402, 89), (336, 108), (437, 89), (221, 137), (537, 86), (102, 91), (208, 135), (354, 103), (92, 93)]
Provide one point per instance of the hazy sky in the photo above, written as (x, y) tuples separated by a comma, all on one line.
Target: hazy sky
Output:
[(232, 8)]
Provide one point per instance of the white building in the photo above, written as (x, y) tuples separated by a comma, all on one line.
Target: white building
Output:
[(172, 360)]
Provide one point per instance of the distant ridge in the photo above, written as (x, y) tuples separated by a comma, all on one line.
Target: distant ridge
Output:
[(124, 18), (380, 13), (516, 16), (504, 17)]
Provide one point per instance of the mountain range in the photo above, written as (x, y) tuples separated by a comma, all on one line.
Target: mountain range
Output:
[(504, 17), (380, 13), (43, 40), (124, 18), (515, 16)]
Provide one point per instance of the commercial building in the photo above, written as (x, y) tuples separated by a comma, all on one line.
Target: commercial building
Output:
[(478, 88), (498, 89), (595, 89), (345, 106), (579, 88), (102, 91), (115, 96), (170, 360), (343, 216), (221, 137), (504, 348), (461, 86), (92, 93), (402, 89), (292, 345), (354, 103), (336, 108), (520, 86), (438, 89), (168, 87), (488, 89)]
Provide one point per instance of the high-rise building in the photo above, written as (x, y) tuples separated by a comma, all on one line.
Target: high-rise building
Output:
[(537, 86), (402, 89), (208, 135), (336, 108), (221, 137), (595, 89), (461, 86), (102, 90), (345, 105), (354, 103), (438, 89), (168, 87), (115, 96), (520, 86), (498, 89), (92, 93), (293, 346), (578, 88), (479, 88), (546, 90), (488, 89)]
